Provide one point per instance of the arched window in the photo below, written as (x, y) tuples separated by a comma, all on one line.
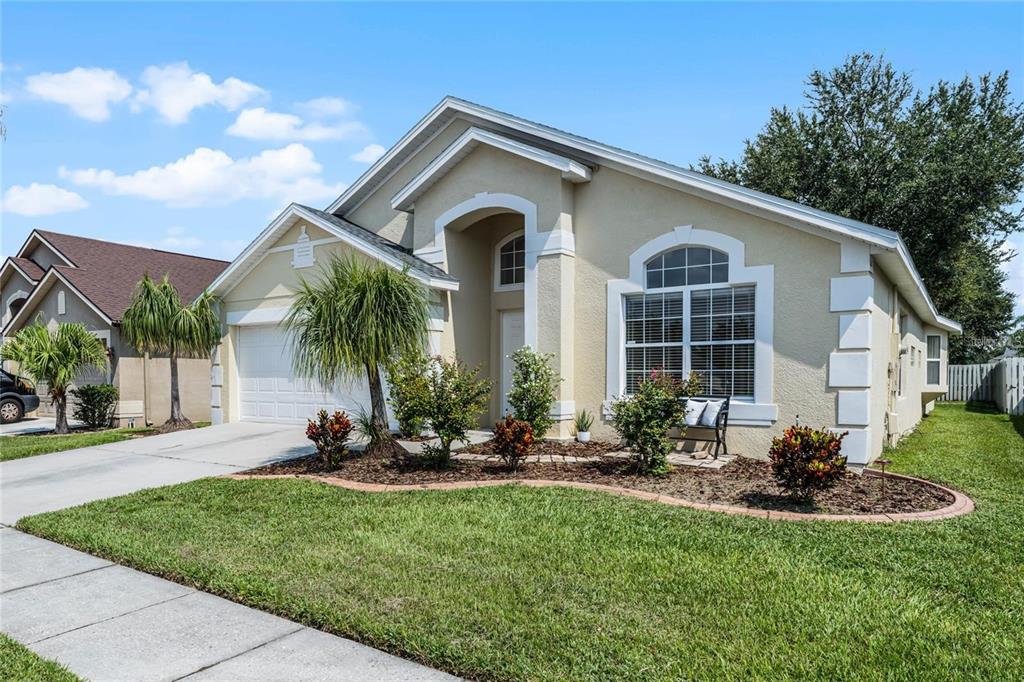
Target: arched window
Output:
[(61, 309), (510, 266), (691, 318), (687, 266)]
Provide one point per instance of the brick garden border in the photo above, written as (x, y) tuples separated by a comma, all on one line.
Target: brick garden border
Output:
[(961, 503)]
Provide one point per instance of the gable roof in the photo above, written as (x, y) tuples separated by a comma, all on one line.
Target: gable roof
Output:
[(104, 273), (358, 237), (887, 245), (28, 269)]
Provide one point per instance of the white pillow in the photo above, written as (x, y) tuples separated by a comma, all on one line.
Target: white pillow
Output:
[(694, 409), (711, 412)]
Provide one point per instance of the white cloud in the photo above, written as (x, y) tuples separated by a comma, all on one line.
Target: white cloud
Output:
[(210, 176), (176, 90), (37, 200), (260, 124), (326, 107), (88, 92), (369, 153)]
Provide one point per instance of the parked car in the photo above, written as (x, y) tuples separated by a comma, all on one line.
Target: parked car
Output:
[(17, 396)]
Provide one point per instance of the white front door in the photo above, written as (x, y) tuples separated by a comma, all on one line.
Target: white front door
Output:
[(512, 339), (269, 389)]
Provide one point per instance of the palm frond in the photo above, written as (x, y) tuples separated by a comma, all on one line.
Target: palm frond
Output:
[(55, 356)]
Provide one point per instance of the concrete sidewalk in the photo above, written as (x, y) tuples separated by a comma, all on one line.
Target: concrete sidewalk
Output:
[(108, 622)]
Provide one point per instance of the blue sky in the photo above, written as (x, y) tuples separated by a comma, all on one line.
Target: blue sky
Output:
[(187, 126)]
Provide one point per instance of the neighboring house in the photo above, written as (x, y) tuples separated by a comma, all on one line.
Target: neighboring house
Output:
[(62, 278), (615, 263)]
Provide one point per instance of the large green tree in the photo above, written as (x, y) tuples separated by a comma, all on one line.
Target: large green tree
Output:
[(944, 168), (55, 357), (353, 320), (157, 321)]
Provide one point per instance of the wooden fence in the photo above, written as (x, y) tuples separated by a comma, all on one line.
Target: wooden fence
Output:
[(1000, 382)]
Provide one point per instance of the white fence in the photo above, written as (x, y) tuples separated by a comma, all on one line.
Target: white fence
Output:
[(1000, 382)]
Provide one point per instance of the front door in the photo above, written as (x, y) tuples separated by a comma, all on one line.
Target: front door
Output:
[(512, 339)]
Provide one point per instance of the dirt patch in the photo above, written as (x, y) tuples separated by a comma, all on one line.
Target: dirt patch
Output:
[(743, 482)]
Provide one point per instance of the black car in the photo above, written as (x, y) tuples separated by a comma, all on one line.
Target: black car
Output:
[(17, 396)]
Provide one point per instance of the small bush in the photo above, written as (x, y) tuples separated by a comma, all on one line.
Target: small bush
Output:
[(330, 434), (513, 439), (806, 460), (644, 419), (410, 392), (534, 389), (95, 405), (457, 399)]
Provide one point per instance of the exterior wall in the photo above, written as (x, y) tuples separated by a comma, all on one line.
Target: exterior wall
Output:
[(44, 257), (270, 287), (16, 287)]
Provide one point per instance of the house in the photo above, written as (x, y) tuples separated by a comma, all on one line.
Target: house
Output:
[(63, 278), (616, 264)]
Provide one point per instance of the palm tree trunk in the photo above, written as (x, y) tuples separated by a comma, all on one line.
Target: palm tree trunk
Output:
[(177, 418), (60, 404), (380, 412)]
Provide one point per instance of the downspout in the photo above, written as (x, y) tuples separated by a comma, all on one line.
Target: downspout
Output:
[(145, 389)]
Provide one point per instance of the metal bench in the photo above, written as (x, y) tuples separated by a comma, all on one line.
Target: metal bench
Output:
[(707, 434)]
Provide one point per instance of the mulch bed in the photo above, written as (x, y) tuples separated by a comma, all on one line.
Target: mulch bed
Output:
[(744, 482)]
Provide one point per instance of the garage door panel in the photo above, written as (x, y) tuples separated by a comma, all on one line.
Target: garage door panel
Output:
[(269, 389)]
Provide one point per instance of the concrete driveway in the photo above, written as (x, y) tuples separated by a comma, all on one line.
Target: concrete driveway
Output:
[(65, 479), (33, 425)]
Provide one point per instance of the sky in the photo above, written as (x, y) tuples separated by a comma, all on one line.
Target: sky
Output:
[(189, 126)]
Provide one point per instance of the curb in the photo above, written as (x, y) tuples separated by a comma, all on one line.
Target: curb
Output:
[(960, 506)]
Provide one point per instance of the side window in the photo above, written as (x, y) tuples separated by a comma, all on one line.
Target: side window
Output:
[(934, 359), (60, 303), (511, 263)]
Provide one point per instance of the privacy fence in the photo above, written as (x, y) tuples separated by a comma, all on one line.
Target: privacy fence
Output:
[(1000, 382)]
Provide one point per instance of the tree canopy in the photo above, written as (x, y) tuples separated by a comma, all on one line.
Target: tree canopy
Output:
[(943, 167)]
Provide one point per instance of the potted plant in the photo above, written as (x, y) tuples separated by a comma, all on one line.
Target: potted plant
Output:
[(583, 422)]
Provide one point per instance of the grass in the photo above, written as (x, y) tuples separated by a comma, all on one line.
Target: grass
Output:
[(551, 584), (18, 663), (29, 445)]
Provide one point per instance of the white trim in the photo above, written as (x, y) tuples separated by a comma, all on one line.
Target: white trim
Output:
[(10, 262), (854, 256), (856, 445), (19, 294), (528, 210), (849, 369), (313, 242), (854, 408), (791, 213), (759, 410), (851, 293), (256, 316), (253, 254), (563, 410), (498, 286), (62, 306), (35, 235), (855, 331), (41, 290), (404, 199)]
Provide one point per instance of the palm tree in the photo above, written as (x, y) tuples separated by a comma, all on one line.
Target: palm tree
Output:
[(355, 318), (156, 321), (55, 357)]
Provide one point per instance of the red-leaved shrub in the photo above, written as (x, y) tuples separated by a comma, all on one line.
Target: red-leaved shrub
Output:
[(806, 460), (330, 434), (513, 439)]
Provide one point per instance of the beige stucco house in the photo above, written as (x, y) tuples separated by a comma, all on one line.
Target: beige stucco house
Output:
[(615, 263), (65, 278)]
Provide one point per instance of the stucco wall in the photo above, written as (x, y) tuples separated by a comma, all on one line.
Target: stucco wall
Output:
[(14, 285)]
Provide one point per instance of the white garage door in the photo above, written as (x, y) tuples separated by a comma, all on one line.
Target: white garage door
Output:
[(269, 391)]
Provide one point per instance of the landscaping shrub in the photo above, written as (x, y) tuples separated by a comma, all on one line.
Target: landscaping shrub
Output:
[(644, 419), (330, 434), (410, 392), (457, 398), (513, 439), (534, 389), (807, 460), (95, 404)]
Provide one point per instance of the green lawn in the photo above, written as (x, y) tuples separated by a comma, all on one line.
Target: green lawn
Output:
[(16, 447), (18, 663), (552, 584)]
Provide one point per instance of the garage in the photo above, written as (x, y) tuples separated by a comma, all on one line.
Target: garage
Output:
[(269, 389)]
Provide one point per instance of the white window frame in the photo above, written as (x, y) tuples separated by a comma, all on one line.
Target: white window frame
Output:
[(519, 286), (756, 411), (929, 359)]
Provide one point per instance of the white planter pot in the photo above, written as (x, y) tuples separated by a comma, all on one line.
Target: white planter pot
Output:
[(583, 436)]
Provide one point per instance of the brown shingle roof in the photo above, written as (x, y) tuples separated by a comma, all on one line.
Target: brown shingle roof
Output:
[(28, 267), (107, 273)]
